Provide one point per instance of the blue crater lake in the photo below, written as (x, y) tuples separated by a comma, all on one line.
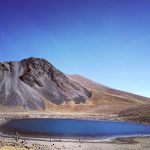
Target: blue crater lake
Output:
[(78, 128)]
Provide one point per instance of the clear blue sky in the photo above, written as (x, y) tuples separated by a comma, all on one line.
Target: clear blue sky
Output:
[(105, 40)]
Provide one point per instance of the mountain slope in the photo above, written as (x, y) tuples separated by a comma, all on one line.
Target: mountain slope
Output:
[(106, 100), (31, 82), (94, 86)]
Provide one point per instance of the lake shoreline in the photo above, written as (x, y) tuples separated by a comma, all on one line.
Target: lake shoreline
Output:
[(7, 117), (74, 144), (5, 129)]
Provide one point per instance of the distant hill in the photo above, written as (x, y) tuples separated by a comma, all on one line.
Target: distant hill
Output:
[(97, 87), (106, 100)]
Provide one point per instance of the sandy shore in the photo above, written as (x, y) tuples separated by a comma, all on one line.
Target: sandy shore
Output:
[(118, 144), (13, 143)]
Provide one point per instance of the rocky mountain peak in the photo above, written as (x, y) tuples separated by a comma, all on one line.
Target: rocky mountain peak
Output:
[(28, 82)]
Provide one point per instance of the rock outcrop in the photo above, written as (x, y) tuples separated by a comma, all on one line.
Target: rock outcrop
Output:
[(32, 81)]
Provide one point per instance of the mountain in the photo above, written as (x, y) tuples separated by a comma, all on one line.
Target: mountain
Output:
[(35, 84), (32, 82)]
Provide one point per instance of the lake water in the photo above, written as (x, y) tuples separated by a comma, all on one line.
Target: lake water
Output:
[(78, 128)]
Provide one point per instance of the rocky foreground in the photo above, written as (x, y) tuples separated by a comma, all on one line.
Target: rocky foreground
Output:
[(118, 144)]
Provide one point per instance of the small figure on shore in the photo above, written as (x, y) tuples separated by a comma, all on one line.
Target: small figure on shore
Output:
[(17, 134)]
